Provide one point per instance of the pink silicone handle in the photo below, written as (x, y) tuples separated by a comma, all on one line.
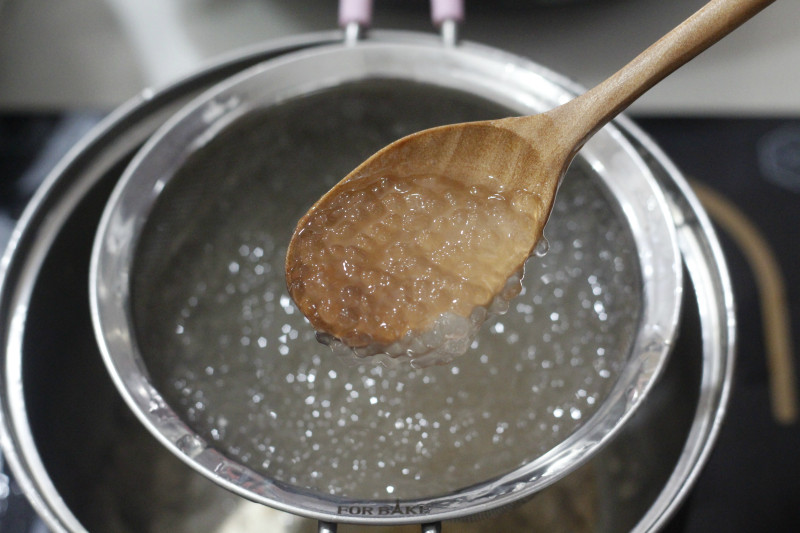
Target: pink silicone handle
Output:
[(358, 11), (442, 10)]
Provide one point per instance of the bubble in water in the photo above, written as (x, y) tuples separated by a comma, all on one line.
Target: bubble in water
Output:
[(190, 445), (542, 247)]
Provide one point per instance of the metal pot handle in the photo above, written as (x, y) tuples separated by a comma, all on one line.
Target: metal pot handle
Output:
[(354, 17), (330, 527)]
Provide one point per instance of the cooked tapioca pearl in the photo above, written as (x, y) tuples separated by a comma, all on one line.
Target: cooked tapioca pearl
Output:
[(377, 261)]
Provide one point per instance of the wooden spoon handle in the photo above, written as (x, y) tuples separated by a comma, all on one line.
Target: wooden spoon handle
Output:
[(593, 109)]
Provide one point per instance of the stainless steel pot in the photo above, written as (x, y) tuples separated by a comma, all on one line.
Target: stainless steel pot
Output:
[(42, 251), (463, 69)]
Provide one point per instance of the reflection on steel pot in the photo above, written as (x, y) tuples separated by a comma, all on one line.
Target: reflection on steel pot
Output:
[(86, 462)]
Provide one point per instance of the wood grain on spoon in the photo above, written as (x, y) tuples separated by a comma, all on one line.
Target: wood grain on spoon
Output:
[(437, 222)]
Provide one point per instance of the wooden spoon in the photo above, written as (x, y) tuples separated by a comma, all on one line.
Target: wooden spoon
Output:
[(432, 227)]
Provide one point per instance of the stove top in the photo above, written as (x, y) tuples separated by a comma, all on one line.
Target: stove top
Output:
[(747, 172)]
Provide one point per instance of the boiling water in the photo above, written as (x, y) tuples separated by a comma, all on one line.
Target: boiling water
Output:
[(233, 356)]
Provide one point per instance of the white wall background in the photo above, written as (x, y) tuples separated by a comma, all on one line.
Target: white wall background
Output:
[(98, 53)]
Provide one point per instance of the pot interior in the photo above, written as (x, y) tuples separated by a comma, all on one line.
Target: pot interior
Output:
[(194, 322), (237, 361)]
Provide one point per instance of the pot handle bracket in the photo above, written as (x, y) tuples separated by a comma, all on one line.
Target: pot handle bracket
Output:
[(330, 527), (447, 15), (355, 16)]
